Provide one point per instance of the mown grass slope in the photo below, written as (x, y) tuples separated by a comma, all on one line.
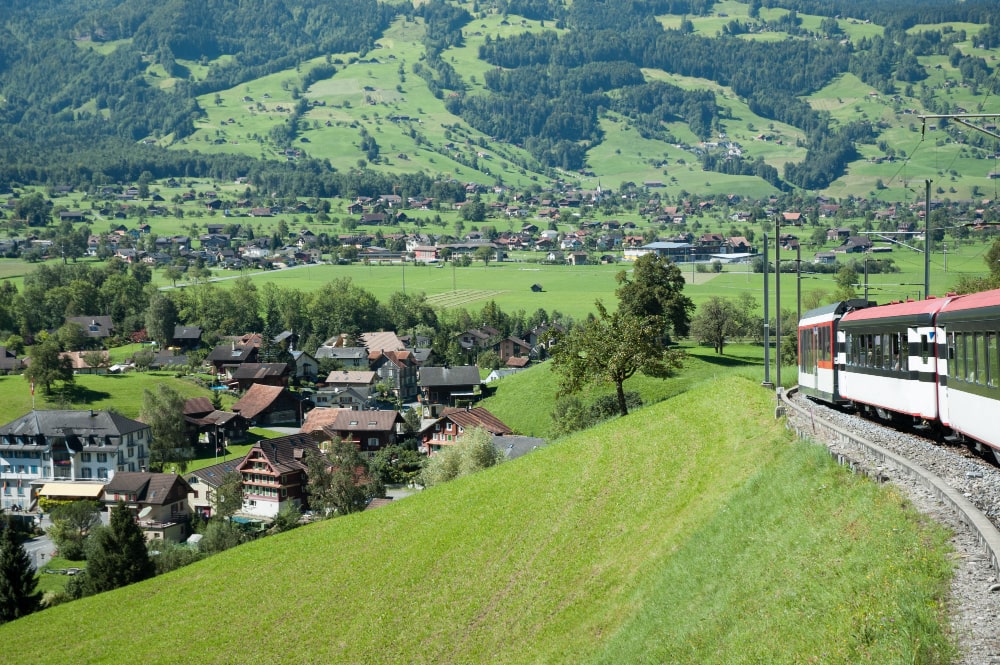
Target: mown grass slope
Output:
[(700, 509)]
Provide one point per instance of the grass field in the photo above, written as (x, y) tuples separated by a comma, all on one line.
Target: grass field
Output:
[(673, 535)]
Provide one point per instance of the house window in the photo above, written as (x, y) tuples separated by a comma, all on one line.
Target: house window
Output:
[(102, 457), (373, 442), (85, 457), (102, 473), (87, 473), (131, 451)]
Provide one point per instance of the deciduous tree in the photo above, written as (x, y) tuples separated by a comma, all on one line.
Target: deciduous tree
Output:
[(656, 289), (47, 366), (716, 320), (611, 348), (71, 525), (163, 411)]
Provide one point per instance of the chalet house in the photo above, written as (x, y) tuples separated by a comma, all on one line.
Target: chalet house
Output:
[(158, 500), (268, 374), (226, 358), (446, 385), (62, 448), (206, 425), (340, 379), (9, 362), (381, 341), (855, 245), (80, 361), (398, 369), (97, 328), (269, 405), (825, 258), (841, 233), (349, 357), (370, 431), (275, 474), (186, 337), (205, 482), (319, 418), (737, 245), (306, 367), (543, 334), (512, 347), (476, 339), (454, 423)]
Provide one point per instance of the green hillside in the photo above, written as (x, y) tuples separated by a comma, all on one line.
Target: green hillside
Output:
[(673, 535)]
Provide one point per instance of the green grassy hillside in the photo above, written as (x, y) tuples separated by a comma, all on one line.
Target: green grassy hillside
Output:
[(674, 535)]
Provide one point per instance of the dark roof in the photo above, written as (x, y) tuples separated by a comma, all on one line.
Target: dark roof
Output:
[(287, 453), (149, 488), (60, 422), (515, 446), (212, 475), (477, 417), (187, 332), (198, 406), (342, 352), (260, 370), (232, 353), (464, 375), (93, 326)]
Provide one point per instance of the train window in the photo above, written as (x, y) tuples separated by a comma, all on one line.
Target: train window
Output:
[(925, 347), (897, 363), (992, 360), (877, 350), (950, 368), (994, 353), (970, 358), (981, 360)]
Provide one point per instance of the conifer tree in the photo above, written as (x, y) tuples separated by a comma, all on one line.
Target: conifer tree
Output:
[(118, 556), (17, 579)]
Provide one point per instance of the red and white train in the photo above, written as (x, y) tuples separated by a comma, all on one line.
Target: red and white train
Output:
[(935, 361)]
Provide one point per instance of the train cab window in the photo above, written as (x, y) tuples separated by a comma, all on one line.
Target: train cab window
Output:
[(925, 347)]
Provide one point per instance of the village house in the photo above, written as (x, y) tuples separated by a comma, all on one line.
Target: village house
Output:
[(158, 501)]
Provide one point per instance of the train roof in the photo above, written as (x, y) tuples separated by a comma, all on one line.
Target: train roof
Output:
[(973, 306), (830, 312), (919, 312)]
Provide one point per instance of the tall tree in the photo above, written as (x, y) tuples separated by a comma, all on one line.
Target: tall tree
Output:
[(118, 554), (161, 318), (339, 482), (611, 348), (656, 289), (228, 497), (163, 411), (18, 597), (47, 366)]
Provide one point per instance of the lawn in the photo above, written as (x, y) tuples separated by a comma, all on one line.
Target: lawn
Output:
[(672, 535), (121, 392)]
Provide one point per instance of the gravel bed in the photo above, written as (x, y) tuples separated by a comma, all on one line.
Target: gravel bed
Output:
[(975, 592)]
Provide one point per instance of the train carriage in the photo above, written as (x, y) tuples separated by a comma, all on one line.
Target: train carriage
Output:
[(889, 361), (969, 371), (817, 351)]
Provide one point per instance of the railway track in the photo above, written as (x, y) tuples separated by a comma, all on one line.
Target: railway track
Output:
[(968, 485), (946, 483)]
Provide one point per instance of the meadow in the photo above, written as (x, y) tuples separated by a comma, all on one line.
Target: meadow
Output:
[(672, 535)]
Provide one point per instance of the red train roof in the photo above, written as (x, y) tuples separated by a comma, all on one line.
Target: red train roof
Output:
[(973, 301), (904, 309)]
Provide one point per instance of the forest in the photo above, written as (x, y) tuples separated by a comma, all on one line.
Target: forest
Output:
[(83, 85)]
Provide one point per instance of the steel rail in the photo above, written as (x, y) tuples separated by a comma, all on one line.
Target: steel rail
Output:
[(809, 426)]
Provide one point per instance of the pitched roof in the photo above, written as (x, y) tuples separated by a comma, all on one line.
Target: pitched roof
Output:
[(463, 375), (381, 341), (93, 326), (197, 406), (150, 488), (257, 399), (187, 332), (60, 422), (286, 453), (342, 376), (260, 370), (212, 475), (319, 418), (364, 421), (477, 417)]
